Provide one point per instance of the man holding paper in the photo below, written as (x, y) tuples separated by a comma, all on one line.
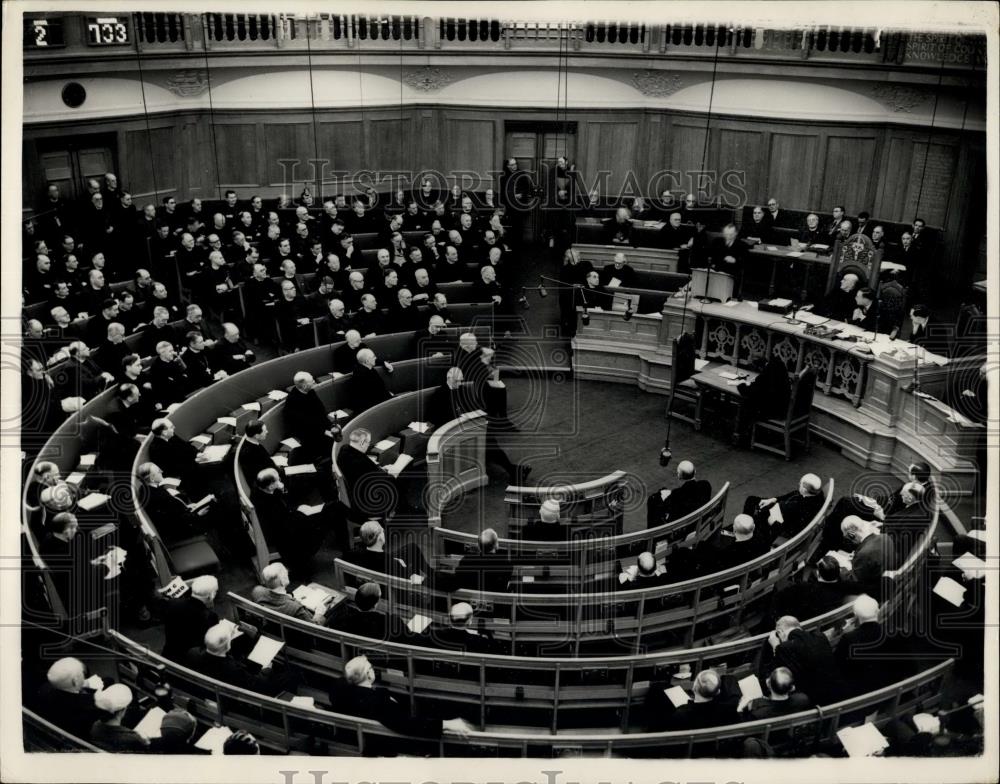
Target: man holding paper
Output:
[(788, 514), (256, 673), (274, 595), (372, 489), (782, 698)]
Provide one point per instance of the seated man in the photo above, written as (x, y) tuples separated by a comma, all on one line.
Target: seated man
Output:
[(863, 651), (812, 233), (782, 698), (728, 549), (668, 505), (546, 528), (108, 731), (618, 230), (175, 517), (357, 695), (839, 304), (820, 593), (188, 617), (865, 314), (296, 533), (675, 234), (807, 654), (710, 706), (67, 697), (487, 570), (372, 490), (274, 595), (361, 616), (460, 635), (215, 659), (873, 554), (175, 456), (366, 387), (404, 561), (643, 573), (788, 514), (767, 395), (618, 270), (232, 354)]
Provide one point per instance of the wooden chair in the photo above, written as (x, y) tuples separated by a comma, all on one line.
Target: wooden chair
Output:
[(856, 255), (795, 420), (682, 388)]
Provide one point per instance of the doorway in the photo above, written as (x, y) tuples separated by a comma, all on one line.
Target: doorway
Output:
[(70, 162), (536, 146)]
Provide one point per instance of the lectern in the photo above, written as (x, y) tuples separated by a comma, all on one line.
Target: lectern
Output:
[(709, 284)]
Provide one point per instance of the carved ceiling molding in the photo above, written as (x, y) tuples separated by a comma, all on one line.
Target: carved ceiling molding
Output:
[(656, 83), (188, 83), (897, 97), (428, 79)]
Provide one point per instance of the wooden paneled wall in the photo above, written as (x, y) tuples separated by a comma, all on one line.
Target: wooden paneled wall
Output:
[(887, 170)]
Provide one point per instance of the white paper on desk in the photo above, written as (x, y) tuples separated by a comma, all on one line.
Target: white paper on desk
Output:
[(215, 453), (290, 443), (972, 566), (255, 406), (863, 741), (401, 462), (277, 394), (309, 597), (87, 461), (732, 303), (794, 254), (214, 739), (384, 444), (892, 265), (677, 696), (303, 701), (809, 318), (733, 383), (149, 727), (700, 365), (614, 283), (527, 578), (280, 460), (750, 687), (227, 420), (774, 515), (781, 302), (233, 629), (418, 623), (76, 478), (950, 591), (729, 375), (265, 650), (306, 509), (419, 427), (305, 468), (843, 559), (203, 440), (92, 501)]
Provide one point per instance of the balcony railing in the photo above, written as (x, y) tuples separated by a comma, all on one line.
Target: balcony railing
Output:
[(176, 32)]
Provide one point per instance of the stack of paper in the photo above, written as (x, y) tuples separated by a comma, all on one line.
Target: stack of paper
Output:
[(76, 478), (277, 394), (729, 375), (419, 427), (227, 420), (265, 650), (971, 565), (92, 501), (750, 687), (280, 460), (310, 597), (418, 623), (781, 302), (384, 444), (149, 727), (214, 739), (215, 453), (677, 696), (87, 461), (305, 468), (863, 741), (951, 591), (290, 443), (304, 702), (255, 406), (794, 254), (203, 440)]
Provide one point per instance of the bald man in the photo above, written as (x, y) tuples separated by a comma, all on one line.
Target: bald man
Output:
[(712, 704), (782, 698), (787, 514), (489, 569), (462, 633), (361, 616), (808, 656), (67, 697), (668, 505), (864, 651), (366, 387), (216, 660), (188, 617), (729, 548), (619, 270)]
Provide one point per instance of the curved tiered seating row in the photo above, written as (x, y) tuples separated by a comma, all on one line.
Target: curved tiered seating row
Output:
[(553, 691), (684, 613), (282, 726)]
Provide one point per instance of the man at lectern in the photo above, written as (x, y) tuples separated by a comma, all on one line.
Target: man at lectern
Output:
[(728, 254)]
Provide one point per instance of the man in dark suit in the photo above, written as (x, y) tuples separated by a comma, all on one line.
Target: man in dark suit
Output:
[(675, 234), (461, 635), (335, 324), (546, 528), (619, 269), (783, 698), (274, 595), (232, 354), (404, 561), (188, 617), (371, 488), (667, 505), (728, 254), (488, 570), (711, 705), (839, 304), (176, 518), (216, 660), (168, 376), (174, 455), (727, 549), (366, 387), (865, 314), (67, 697), (822, 592), (361, 616), (788, 514), (873, 554), (862, 650), (306, 418), (809, 657), (297, 534), (357, 695), (253, 456)]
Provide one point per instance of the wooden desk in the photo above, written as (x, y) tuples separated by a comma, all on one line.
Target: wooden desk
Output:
[(815, 266), (711, 379), (640, 259), (456, 462)]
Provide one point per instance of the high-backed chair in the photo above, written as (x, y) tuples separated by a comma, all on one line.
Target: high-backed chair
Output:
[(796, 419), (682, 389), (892, 305), (856, 255)]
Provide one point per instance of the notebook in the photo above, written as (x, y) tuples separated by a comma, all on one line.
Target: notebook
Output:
[(265, 650)]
